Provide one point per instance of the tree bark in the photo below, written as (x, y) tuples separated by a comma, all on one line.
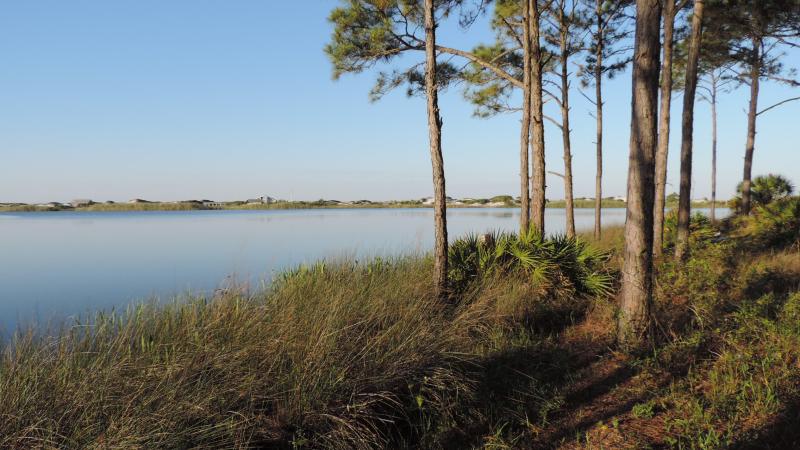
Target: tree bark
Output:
[(437, 162), (565, 131), (687, 133), (663, 128), (538, 179), (637, 284), (714, 82), (525, 128), (598, 93), (755, 75)]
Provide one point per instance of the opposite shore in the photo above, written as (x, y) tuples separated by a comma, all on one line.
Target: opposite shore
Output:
[(503, 201)]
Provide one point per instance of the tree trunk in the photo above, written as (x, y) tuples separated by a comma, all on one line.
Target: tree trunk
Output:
[(755, 75), (598, 94), (538, 179), (637, 271), (713, 147), (437, 162), (663, 129), (687, 133), (525, 128), (565, 131)]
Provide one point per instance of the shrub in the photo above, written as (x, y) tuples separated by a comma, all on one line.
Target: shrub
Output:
[(771, 225), (764, 189), (559, 258), (700, 228)]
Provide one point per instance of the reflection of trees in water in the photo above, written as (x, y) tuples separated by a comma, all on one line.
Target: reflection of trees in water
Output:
[(500, 214), (462, 212)]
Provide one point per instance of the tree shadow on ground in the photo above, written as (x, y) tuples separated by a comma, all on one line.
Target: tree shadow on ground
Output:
[(523, 383), (781, 433)]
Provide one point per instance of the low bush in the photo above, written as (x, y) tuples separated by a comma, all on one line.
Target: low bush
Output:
[(772, 225), (572, 262)]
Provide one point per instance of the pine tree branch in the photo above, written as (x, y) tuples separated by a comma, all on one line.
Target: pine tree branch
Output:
[(594, 102), (777, 104), (554, 121), (481, 62)]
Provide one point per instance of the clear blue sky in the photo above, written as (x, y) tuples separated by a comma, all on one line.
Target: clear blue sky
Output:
[(182, 99)]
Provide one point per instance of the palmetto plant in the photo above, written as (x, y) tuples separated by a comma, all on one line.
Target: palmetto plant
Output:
[(766, 189), (540, 259)]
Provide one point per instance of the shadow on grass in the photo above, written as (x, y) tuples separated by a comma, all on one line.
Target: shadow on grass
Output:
[(781, 433), (522, 383)]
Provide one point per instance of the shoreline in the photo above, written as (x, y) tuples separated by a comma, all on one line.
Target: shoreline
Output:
[(166, 207)]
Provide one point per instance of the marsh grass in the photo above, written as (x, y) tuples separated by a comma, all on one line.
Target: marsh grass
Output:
[(333, 355)]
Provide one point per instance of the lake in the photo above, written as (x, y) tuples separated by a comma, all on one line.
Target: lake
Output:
[(58, 264)]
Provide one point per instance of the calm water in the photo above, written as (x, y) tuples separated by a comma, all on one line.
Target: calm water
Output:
[(55, 265)]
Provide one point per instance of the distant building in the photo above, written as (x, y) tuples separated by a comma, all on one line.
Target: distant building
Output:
[(81, 202), (266, 200), (138, 200), (429, 200), (50, 205), (212, 205)]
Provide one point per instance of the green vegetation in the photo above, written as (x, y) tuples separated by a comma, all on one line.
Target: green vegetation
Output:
[(21, 207), (764, 189), (148, 206), (363, 355)]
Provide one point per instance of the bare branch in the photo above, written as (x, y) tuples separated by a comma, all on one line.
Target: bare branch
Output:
[(594, 102), (513, 32), (554, 121), (777, 104)]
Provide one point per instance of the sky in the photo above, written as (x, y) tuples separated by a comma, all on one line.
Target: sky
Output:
[(226, 100)]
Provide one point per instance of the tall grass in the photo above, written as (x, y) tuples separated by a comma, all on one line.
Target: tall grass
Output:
[(342, 355)]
